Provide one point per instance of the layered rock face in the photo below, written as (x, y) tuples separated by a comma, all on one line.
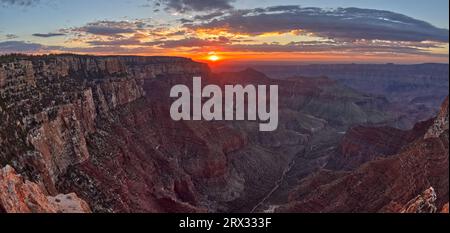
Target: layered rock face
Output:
[(424, 203), (393, 184)]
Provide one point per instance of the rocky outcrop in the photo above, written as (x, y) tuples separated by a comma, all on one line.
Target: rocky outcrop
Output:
[(441, 122), (424, 203), (18, 195)]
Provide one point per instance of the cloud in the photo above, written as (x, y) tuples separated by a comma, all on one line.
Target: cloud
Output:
[(196, 5), (341, 24), (11, 36), (28, 47), (47, 35), (209, 16), (193, 42), (225, 45), (18, 2), (106, 31), (190, 42), (120, 42), (111, 28), (360, 47), (19, 46), (350, 31), (112, 50)]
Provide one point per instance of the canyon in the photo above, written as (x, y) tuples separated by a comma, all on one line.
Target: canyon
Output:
[(414, 92), (94, 134)]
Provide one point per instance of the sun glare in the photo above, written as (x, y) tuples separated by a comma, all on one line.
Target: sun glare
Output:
[(213, 58)]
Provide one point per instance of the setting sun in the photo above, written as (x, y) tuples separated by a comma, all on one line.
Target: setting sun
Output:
[(213, 58)]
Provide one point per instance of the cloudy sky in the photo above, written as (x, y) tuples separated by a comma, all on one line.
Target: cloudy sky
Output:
[(402, 31)]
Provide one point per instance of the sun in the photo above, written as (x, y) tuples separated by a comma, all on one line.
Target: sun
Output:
[(213, 58)]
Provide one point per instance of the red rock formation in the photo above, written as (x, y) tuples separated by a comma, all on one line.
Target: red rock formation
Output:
[(445, 209), (18, 195)]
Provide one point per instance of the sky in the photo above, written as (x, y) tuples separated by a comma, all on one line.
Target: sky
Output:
[(303, 31)]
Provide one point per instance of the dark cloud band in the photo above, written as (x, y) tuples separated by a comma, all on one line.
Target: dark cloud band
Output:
[(48, 35), (18, 2), (19, 46), (342, 23), (196, 5)]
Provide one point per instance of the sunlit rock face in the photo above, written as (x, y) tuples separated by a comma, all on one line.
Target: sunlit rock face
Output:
[(18, 195), (424, 203), (445, 209)]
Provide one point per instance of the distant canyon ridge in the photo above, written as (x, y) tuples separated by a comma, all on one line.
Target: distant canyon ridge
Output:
[(414, 91), (94, 134)]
